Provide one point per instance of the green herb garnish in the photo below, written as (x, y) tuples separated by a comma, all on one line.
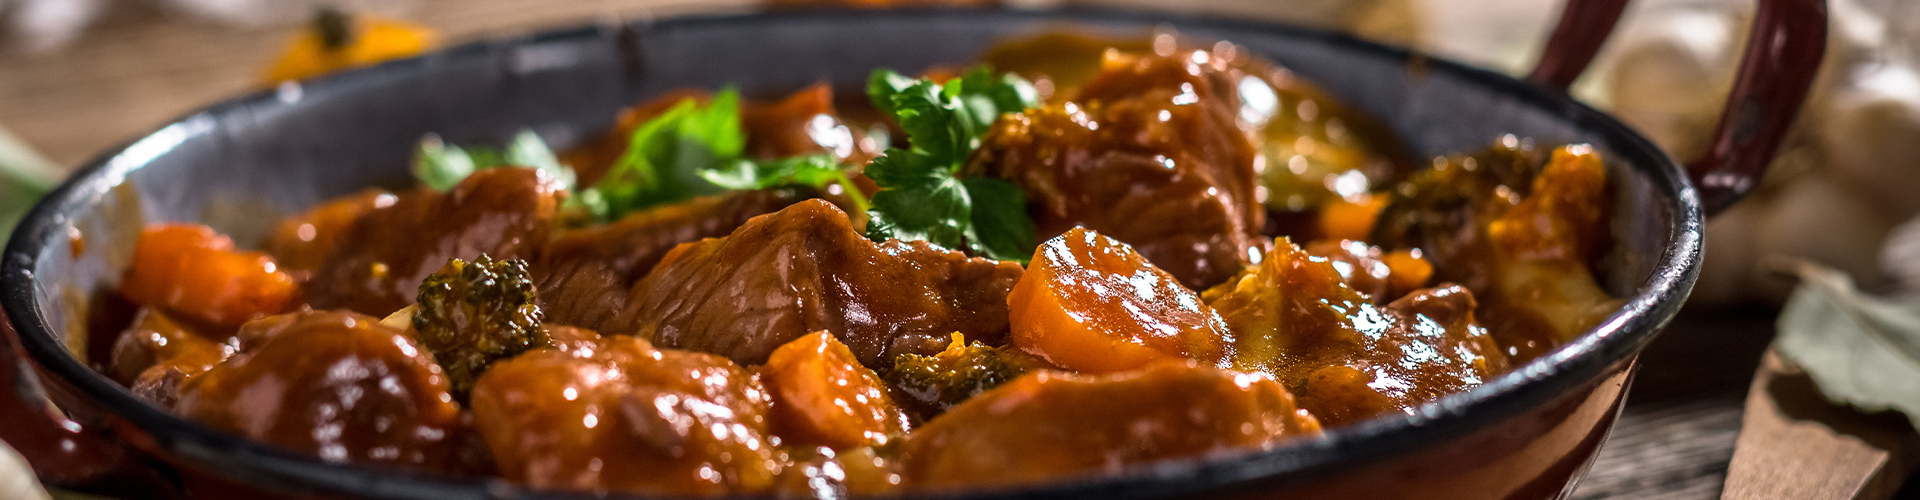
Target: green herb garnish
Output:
[(815, 170), (920, 196), (693, 150), (440, 165)]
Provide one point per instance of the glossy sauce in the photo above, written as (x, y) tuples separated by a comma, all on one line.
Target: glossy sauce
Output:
[(337, 385), (1050, 424), (621, 416)]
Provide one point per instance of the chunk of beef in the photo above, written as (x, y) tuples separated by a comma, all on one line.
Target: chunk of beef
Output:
[(156, 354), (804, 269), (156, 340), (379, 263), (335, 384), (631, 246), (1048, 424), (1151, 154), (584, 292), (1294, 317), (301, 243), (624, 417)]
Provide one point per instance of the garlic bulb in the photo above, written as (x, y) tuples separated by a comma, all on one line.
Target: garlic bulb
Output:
[(1871, 132), (1670, 67), (1843, 176), (42, 25)]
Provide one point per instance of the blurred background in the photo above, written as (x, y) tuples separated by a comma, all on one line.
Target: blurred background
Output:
[(80, 76)]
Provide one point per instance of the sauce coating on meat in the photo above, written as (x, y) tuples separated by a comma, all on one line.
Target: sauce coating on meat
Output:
[(632, 245), (617, 415), (804, 269), (157, 353), (379, 263), (335, 384), (1050, 425), (1294, 316), (1150, 153), (301, 243)]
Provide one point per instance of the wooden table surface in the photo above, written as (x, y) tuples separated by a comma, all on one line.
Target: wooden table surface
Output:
[(141, 66)]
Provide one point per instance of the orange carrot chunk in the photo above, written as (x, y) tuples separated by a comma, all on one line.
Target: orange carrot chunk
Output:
[(1091, 304), (822, 396), (194, 272)]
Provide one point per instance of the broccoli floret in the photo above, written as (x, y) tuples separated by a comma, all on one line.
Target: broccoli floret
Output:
[(1430, 208), (929, 385), (472, 314)]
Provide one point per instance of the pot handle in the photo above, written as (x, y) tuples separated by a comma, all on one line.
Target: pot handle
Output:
[(60, 450), (1778, 67)]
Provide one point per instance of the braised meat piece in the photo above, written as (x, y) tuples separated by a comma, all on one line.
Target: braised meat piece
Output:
[(301, 243), (1294, 317), (631, 246), (1150, 153), (622, 416), (379, 263), (1049, 424), (155, 339), (157, 353), (804, 269), (583, 292), (335, 384)]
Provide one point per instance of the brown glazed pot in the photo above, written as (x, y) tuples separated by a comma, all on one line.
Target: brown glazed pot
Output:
[(1527, 434)]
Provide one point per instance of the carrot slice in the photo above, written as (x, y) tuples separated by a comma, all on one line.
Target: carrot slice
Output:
[(1091, 304), (194, 272), (822, 396)]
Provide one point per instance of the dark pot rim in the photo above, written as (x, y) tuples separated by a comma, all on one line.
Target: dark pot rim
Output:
[(1532, 385)]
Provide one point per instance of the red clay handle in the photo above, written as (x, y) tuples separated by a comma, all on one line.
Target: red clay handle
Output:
[(60, 451), (1781, 60)]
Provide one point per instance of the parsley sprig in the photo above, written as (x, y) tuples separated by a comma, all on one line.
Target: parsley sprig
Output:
[(694, 150), (921, 198), (440, 165)]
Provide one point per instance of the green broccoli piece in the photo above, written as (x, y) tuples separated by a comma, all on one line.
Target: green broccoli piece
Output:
[(1430, 208), (472, 314), (929, 385)]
